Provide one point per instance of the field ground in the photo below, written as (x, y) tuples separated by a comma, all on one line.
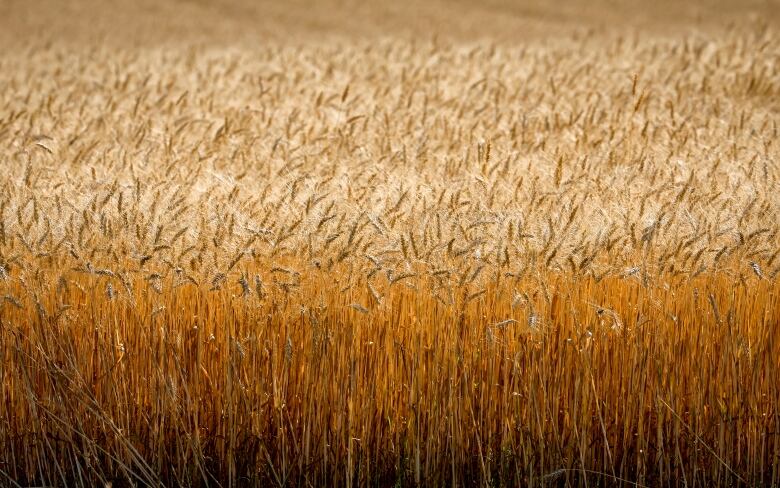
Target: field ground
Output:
[(367, 244)]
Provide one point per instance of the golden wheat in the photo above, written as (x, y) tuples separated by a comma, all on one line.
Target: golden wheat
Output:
[(392, 262)]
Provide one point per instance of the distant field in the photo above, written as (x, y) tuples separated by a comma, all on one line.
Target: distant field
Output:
[(351, 244)]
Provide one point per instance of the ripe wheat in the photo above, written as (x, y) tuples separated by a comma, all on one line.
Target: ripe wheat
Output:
[(392, 262)]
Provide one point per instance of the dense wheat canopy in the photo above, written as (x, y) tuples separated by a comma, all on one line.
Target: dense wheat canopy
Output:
[(316, 254)]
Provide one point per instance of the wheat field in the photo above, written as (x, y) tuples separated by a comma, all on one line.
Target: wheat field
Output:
[(356, 244)]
